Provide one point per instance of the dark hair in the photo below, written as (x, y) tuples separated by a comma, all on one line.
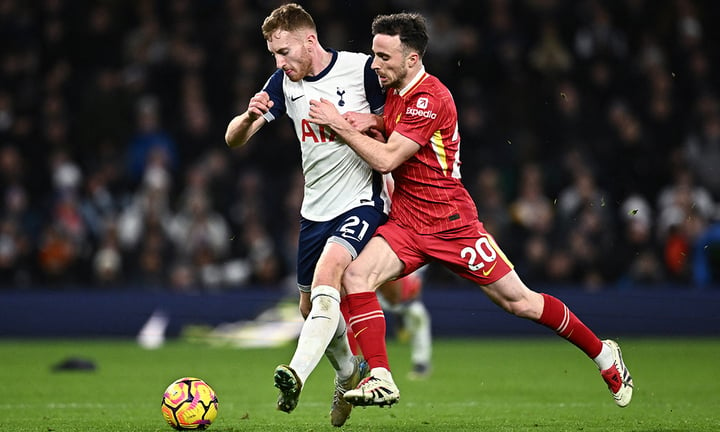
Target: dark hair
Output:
[(410, 27), (288, 17)]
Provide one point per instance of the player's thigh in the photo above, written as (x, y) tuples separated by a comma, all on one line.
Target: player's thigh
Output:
[(376, 265), (331, 265)]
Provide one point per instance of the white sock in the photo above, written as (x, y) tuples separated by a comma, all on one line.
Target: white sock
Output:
[(339, 353), (417, 321), (317, 331), (382, 373), (605, 359)]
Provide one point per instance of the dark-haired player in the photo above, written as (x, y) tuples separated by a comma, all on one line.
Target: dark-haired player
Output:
[(433, 217)]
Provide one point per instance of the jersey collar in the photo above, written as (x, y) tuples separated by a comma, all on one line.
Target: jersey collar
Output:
[(327, 69), (416, 79)]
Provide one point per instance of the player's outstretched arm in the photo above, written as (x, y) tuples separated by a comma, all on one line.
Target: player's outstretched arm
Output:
[(381, 156), (242, 127)]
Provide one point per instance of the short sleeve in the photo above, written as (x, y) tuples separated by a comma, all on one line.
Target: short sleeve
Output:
[(274, 88)]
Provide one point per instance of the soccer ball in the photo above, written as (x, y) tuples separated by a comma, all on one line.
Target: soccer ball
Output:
[(189, 403)]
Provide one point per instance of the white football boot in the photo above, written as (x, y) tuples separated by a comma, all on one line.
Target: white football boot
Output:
[(618, 377), (377, 389)]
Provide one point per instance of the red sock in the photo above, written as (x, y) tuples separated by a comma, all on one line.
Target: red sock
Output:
[(344, 309), (368, 324), (559, 318)]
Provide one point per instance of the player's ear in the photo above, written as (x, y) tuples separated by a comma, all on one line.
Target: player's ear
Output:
[(412, 59), (310, 41)]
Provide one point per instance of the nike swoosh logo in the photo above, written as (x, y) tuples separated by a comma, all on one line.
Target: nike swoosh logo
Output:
[(361, 330), (485, 273), (294, 98)]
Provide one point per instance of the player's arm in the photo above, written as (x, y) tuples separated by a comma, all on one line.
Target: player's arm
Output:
[(242, 127), (264, 107), (381, 156), (370, 124)]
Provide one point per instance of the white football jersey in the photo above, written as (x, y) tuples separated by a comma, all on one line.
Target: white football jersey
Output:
[(336, 178)]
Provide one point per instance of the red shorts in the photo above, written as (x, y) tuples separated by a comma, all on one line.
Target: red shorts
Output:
[(469, 252)]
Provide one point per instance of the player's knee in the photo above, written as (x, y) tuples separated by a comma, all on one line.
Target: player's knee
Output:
[(523, 308), (354, 282), (519, 309)]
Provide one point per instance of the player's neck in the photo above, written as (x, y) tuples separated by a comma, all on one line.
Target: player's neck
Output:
[(321, 60), (413, 76)]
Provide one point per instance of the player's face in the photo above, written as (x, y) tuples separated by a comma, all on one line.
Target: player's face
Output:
[(291, 53), (390, 61)]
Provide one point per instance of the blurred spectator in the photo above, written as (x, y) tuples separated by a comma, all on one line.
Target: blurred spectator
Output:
[(599, 37), (149, 263), (637, 170), (679, 241), (591, 241), (142, 229), (533, 222), (149, 206), (57, 256), (703, 150), (252, 243), (681, 198), (98, 206), (16, 245), (586, 222), (532, 210), (107, 261), (19, 223), (637, 254), (150, 141), (200, 235), (489, 194), (7, 115), (706, 257), (550, 56), (686, 209), (581, 194)]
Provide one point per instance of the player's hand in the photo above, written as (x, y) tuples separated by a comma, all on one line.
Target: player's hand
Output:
[(361, 121), (324, 112), (375, 134), (259, 105)]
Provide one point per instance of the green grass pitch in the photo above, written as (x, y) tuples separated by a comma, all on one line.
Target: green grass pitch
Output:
[(536, 384)]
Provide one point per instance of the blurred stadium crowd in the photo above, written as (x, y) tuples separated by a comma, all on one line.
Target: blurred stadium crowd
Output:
[(591, 139)]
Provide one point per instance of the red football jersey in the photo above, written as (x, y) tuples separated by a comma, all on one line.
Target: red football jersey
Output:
[(429, 196)]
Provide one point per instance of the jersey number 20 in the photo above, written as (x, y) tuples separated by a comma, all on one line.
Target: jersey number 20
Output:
[(483, 250)]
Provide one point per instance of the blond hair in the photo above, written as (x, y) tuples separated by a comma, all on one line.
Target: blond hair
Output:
[(288, 17)]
